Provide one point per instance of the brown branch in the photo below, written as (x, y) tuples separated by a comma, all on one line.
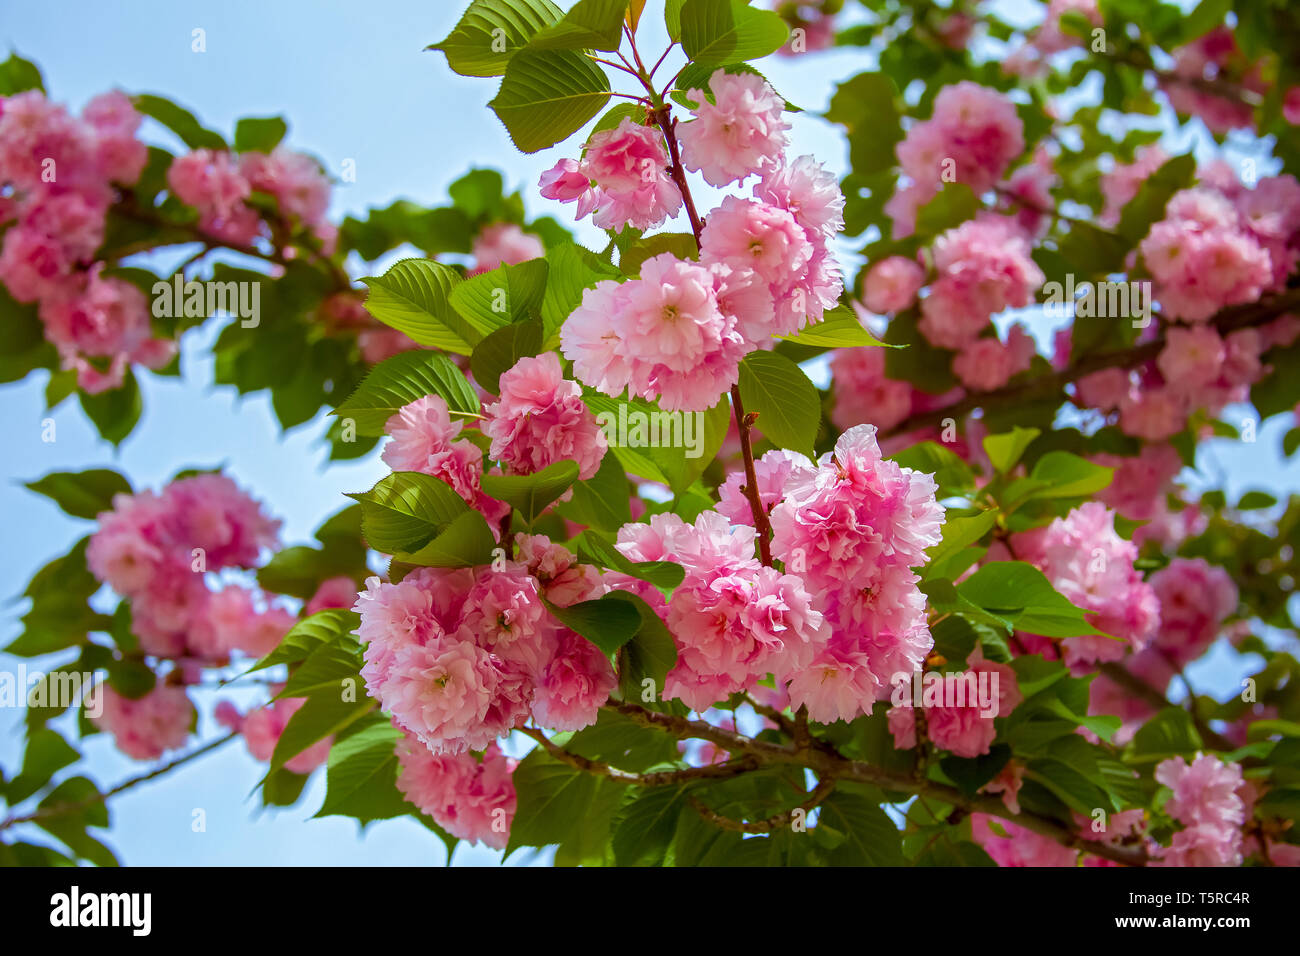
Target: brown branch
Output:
[(825, 761), (660, 778), (778, 821)]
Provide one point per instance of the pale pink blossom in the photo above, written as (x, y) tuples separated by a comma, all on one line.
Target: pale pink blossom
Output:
[(541, 420), (737, 131)]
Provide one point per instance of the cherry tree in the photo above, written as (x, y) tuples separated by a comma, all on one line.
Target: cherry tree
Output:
[(637, 588)]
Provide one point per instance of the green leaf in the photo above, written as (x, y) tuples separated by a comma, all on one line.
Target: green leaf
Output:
[(867, 107), (494, 299), (499, 352), (548, 95), (954, 204), (325, 669), (673, 18), (1072, 787), (1207, 15), (729, 31), (465, 543), (590, 25), (361, 776), (82, 494), (531, 494), (492, 31), (1068, 476), (649, 656), (623, 743), (321, 716), (1005, 450), (406, 510), (1253, 500), (116, 412), (839, 329), (412, 297), (1169, 733), (259, 134), (960, 532), (873, 839), (644, 828), (47, 753), (322, 628), (602, 501), (1148, 205), (950, 472), (1020, 591), (679, 244), (396, 382), (573, 269), (179, 120), (553, 801), (789, 411), (607, 622), (594, 549), (282, 788), (18, 75)]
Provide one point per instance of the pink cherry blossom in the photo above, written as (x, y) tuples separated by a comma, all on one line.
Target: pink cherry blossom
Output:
[(736, 131), (541, 420), (147, 727)]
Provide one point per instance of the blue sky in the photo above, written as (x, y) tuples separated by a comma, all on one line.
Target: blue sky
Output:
[(354, 84)]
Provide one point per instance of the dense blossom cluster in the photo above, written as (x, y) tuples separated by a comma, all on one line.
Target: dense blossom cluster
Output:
[(460, 657), (155, 550), (734, 620), (144, 728), (1205, 800), (62, 173), (966, 727), (971, 137), (1088, 562), (218, 184), (471, 799), (678, 332), (853, 527), (541, 420)]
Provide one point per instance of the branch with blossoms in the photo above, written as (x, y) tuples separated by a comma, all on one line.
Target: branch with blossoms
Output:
[(651, 595)]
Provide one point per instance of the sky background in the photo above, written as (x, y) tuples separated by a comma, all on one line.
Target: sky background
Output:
[(354, 83)]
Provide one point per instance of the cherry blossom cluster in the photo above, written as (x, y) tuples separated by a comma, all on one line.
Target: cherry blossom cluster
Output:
[(62, 173), (460, 657), (971, 137), (218, 184), (678, 332), (853, 526), (1214, 55), (965, 728), (734, 620), (144, 728), (155, 549), (471, 799), (1205, 799), (1089, 563)]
